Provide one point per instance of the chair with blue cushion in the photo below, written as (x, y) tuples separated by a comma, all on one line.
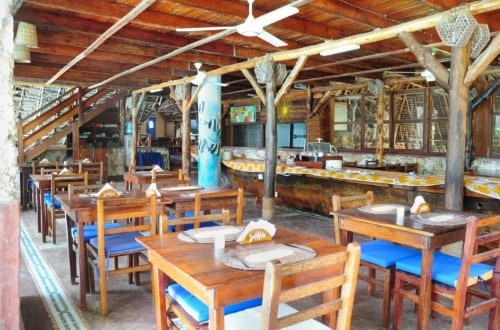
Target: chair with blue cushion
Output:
[(120, 242), (58, 184), (281, 288), (38, 168), (456, 279), (89, 230), (210, 208), (377, 256)]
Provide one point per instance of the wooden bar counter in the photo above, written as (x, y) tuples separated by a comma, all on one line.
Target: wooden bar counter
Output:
[(311, 189)]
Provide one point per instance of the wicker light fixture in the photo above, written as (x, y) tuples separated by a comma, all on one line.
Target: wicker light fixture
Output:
[(180, 92), (480, 39), (26, 35), (21, 54), (455, 28)]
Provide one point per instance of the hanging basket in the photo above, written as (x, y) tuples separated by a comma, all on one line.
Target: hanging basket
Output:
[(375, 87), (280, 73), (480, 39), (264, 72), (456, 28), (180, 92)]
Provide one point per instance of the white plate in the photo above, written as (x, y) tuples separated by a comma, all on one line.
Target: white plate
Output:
[(382, 208), (224, 231), (182, 188), (269, 255)]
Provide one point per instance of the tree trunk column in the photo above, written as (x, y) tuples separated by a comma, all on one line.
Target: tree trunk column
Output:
[(209, 117), (271, 150), (457, 120)]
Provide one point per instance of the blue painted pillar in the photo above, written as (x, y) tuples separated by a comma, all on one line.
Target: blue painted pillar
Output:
[(209, 133)]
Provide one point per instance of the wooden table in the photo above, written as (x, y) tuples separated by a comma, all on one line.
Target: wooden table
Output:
[(197, 267), (140, 178), (80, 211), (411, 233)]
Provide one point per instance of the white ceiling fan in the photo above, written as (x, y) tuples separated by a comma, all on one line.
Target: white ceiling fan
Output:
[(199, 79), (254, 27)]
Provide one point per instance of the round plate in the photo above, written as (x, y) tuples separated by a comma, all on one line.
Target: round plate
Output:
[(439, 219)]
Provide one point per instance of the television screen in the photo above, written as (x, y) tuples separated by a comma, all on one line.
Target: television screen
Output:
[(243, 114)]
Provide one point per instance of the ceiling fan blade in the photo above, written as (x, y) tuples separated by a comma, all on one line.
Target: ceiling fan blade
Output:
[(268, 37), (276, 15), (207, 28)]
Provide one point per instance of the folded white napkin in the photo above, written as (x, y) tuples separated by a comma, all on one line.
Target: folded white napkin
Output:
[(65, 171), (44, 161), (156, 168), (86, 161), (260, 224), (108, 191), (152, 189)]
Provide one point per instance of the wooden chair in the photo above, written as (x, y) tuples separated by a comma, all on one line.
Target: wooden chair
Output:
[(136, 168), (349, 164), (376, 256), (210, 208), (276, 313), (37, 168), (410, 167), (455, 279), (118, 242), (95, 171), (396, 167), (58, 184), (89, 231)]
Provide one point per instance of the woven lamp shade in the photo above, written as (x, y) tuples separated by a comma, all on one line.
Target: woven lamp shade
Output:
[(21, 54), (26, 35)]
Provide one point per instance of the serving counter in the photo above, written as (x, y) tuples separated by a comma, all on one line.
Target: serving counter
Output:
[(311, 188)]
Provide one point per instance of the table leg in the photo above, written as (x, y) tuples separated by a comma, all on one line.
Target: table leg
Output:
[(71, 252), (424, 302), (215, 315), (159, 284), (39, 198), (83, 267)]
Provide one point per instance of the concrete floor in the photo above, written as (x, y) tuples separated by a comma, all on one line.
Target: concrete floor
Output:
[(131, 307)]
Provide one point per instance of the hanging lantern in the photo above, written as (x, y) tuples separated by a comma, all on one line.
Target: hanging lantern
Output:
[(280, 73), (375, 87), (480, 39), (21, 54), (26, 35), (180, 92), (455, 28)]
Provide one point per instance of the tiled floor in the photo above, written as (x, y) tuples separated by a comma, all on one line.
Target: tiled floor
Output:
[(132, 307)]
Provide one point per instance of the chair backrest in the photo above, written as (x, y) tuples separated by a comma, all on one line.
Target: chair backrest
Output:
[(95, 171), (170, 178), (60, 182), (481, 244), (350, 164), (135, 168), (410, 167), (339, 202), (37, 168), (396, 167), (221, 206), (329, 273)]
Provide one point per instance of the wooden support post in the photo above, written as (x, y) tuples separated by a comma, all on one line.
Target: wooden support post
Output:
[(186, 130), (135, 109), (455, 150), (271, 150), (379, 145)]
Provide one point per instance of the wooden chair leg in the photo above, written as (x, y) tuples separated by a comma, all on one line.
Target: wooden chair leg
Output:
[(372, 273), (386, 307), (397, 321)]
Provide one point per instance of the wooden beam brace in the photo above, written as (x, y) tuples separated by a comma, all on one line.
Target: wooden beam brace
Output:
[(193, 97), (425, 58), (103, 37), (320, 104), (482, 61), (290, 79), (255, 85)]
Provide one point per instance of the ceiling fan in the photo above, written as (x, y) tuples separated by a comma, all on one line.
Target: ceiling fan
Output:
[(254, 27), (199, 79)]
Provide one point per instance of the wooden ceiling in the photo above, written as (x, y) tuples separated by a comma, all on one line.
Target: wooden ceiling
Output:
[(66, 30)]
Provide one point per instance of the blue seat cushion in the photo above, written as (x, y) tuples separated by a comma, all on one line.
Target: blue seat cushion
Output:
[(191, 226), (446, 268), (47, 199), (90, 231), (385, 254), (117, 244), (198, 310)]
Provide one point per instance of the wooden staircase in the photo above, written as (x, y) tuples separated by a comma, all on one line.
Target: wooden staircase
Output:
[(60, 117)]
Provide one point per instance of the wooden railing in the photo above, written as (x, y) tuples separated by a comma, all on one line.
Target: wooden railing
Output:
[(60, 117)]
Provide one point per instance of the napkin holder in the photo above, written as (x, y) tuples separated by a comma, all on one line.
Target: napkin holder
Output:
[(108, 192), (420, 206), (256, 235)]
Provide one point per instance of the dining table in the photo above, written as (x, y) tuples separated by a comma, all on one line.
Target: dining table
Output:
[(427, 232), (81, 209), (200, 268), (140, 178)]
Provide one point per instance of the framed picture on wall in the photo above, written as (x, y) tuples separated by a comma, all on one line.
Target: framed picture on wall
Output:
[(243, 113)]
